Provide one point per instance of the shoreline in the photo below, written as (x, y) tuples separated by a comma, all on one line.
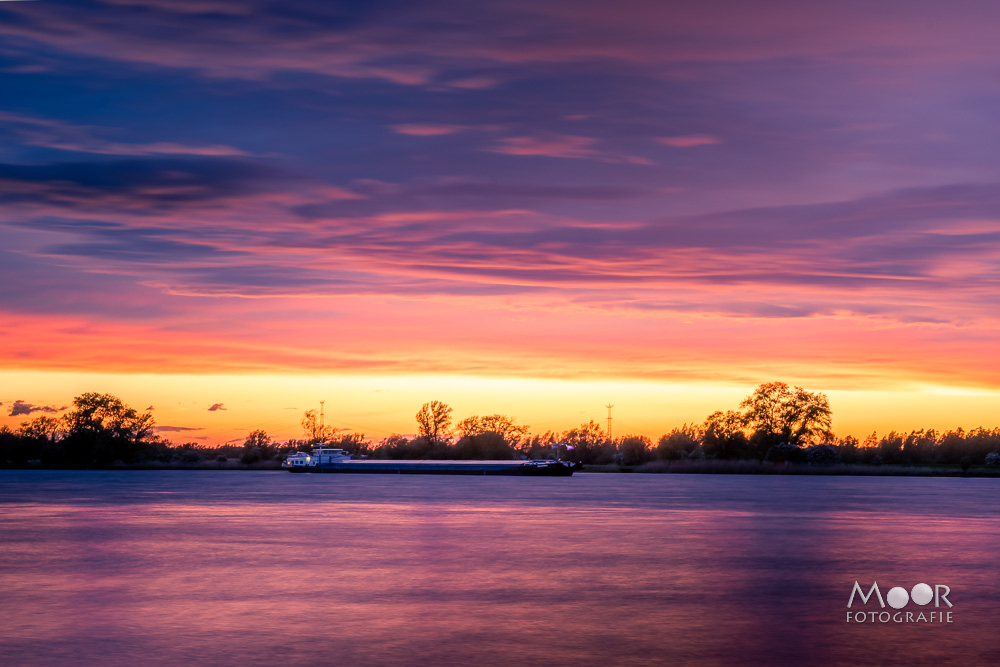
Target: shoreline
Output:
[(709, 467)]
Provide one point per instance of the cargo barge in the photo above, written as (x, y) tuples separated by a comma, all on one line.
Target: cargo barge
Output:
[(324, 459)]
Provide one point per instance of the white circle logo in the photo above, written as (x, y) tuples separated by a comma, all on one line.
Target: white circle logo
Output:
[(921, 594), (897, 597)]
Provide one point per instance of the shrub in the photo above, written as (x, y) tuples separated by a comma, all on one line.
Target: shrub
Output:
[(784, 452), (251, 455), (822, 455), (190, 456)]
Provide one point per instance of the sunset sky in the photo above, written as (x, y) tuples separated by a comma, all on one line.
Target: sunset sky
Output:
[(527, 207)]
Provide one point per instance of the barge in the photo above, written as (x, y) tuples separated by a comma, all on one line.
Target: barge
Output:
[(324, 459)]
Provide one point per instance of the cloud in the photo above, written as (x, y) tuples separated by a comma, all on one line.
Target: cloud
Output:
[(426, 129), (690, 140), (150, 408), (216, 407), (474, 83), (432, 44), (564, 146), (134, 183), (158, 148), (20, 407), (173, 429), (506, 192), (50, 133)]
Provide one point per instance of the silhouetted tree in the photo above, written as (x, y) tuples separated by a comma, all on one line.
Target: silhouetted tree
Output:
[(354, 443), (778, 413), (635, 450), (679, 443), (16, 449), (314, 430), (42, 428), (539, 446), (488, 445), (589, 443), (101, 428), (433, 422), (504, 426), (391, 446), (724, 437), (257, 447)]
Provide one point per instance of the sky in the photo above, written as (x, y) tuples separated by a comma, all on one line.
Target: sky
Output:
[(531, 208)]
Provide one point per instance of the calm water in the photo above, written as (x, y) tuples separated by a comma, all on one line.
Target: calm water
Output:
[(170, 567)]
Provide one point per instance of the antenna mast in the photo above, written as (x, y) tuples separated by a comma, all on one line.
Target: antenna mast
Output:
[(322, 421), (609, 406)]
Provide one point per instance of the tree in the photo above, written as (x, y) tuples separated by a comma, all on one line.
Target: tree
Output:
[(635, 450), (41, 428), (589, 443), (778, 413), (258, 446), (317, 432), (539, 446), (354, 443), (488, 445), (679, 443), (101, 428), (433, 422), (724, 437), (504, 426)]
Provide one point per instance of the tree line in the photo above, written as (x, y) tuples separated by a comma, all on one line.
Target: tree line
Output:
[(775, 423)]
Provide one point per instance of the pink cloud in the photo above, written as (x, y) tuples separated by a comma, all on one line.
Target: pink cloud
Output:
[(474, 83), (563, 146), (689, 140), (554, 145), (426, 129), (49, 133)]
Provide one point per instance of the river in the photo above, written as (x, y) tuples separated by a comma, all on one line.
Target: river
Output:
[(241, 568)]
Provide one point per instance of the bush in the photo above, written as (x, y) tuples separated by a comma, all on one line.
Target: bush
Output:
[(190, 456), (784, 452), (251, 455), (823, 455), (993, 459)]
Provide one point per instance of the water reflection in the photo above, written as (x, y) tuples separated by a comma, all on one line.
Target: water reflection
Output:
[(210, 568)]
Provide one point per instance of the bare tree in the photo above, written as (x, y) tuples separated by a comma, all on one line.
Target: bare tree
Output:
[(317, 432), (434, 421)]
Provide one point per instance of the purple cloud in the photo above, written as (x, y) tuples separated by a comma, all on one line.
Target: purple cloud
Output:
[(20, 407)]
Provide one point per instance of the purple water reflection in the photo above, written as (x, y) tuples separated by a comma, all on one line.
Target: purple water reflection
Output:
[(263, 568)]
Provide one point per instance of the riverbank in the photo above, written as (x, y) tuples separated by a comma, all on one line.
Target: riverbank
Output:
[(214, 464), (683, 467), (754, 467)]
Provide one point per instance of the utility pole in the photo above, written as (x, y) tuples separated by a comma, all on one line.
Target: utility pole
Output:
[(609, 406)]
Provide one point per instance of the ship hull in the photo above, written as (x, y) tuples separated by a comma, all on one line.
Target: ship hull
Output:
[(488, 468)]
